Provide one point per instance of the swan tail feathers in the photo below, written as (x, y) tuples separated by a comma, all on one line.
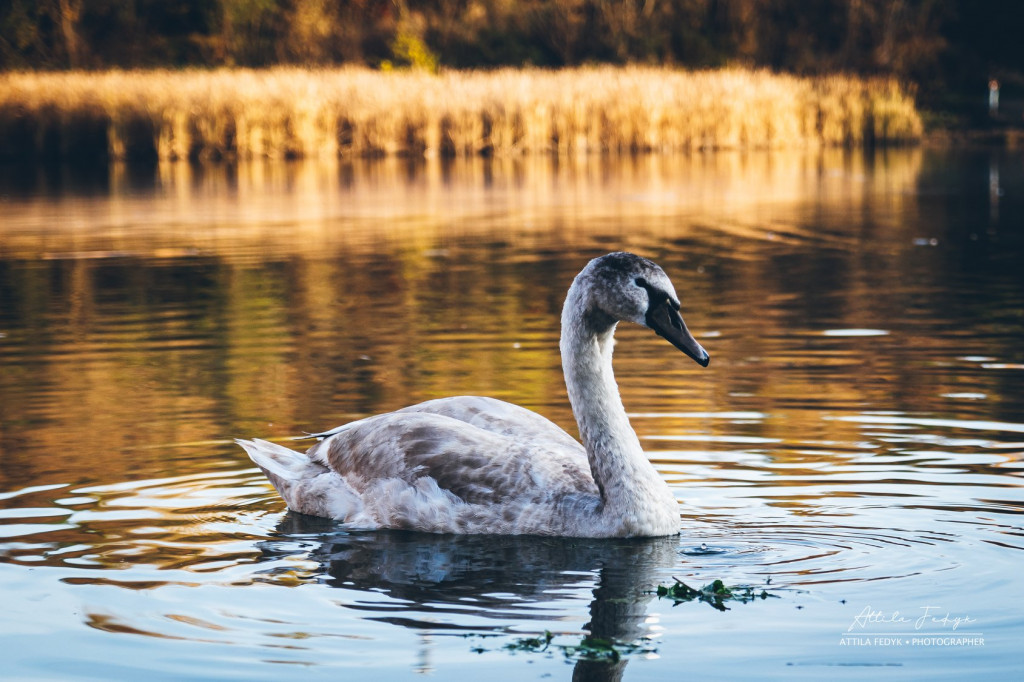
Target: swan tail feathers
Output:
[(306, 486), (278, 462)]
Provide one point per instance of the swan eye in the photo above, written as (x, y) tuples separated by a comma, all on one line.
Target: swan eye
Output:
[(655, 296)]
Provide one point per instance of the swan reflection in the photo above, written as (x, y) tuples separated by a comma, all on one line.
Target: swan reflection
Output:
[(490, 584)]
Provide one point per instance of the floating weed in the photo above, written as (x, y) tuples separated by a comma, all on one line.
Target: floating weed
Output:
[(589, 648), (714, 594), (598, 649), (531, 644)]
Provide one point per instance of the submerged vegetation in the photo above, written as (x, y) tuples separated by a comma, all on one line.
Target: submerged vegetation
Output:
[(303, 113), (715, 593), (588, 648), (610, 650)]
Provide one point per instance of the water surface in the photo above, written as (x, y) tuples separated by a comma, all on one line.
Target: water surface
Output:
[(854, 449)]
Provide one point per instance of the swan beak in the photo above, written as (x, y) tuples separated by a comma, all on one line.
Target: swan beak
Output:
[(668, 324)]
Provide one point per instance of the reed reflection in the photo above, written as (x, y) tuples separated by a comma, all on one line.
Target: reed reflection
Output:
[(273, 299), (262, 210)]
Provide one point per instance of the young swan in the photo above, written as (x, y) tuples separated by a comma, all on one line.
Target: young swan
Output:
[(478, 465)]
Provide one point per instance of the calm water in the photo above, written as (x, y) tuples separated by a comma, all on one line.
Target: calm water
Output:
[(854, 449)]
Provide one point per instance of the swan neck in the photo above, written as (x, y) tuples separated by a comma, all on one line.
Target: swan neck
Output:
[(617, 460)]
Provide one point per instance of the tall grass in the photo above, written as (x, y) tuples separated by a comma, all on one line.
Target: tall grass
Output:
[(289, 112)]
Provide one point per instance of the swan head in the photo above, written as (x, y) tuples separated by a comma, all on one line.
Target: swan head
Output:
[(629, 288)]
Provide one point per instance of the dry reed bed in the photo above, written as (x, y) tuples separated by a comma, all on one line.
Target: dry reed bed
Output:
[(290, 112)]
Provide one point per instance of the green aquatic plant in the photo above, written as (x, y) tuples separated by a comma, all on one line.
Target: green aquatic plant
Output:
[(532, 644), (716, 593), (599, 649), (589, 648)]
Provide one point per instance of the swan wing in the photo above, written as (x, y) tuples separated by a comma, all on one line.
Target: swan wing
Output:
[(504, 418), (476, 465)]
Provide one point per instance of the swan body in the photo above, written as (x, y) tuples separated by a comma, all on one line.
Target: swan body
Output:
[(470, 464)]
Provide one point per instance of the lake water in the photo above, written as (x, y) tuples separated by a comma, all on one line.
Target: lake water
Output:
[(853, 453)]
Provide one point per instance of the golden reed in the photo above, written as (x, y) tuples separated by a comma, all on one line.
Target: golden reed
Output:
[(293, 112)]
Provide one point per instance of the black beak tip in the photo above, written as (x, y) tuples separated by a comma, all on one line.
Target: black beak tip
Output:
[(701, 357)]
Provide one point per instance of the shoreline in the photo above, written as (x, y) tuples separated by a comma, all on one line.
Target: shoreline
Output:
[(1001, 136)]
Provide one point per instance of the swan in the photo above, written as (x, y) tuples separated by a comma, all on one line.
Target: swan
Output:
[(476, 465)]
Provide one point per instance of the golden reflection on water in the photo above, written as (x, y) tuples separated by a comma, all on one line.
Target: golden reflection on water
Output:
[(254, 210), (195, 304)]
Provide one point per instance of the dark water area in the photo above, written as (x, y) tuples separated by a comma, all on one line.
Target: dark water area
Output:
[(853, 451)]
